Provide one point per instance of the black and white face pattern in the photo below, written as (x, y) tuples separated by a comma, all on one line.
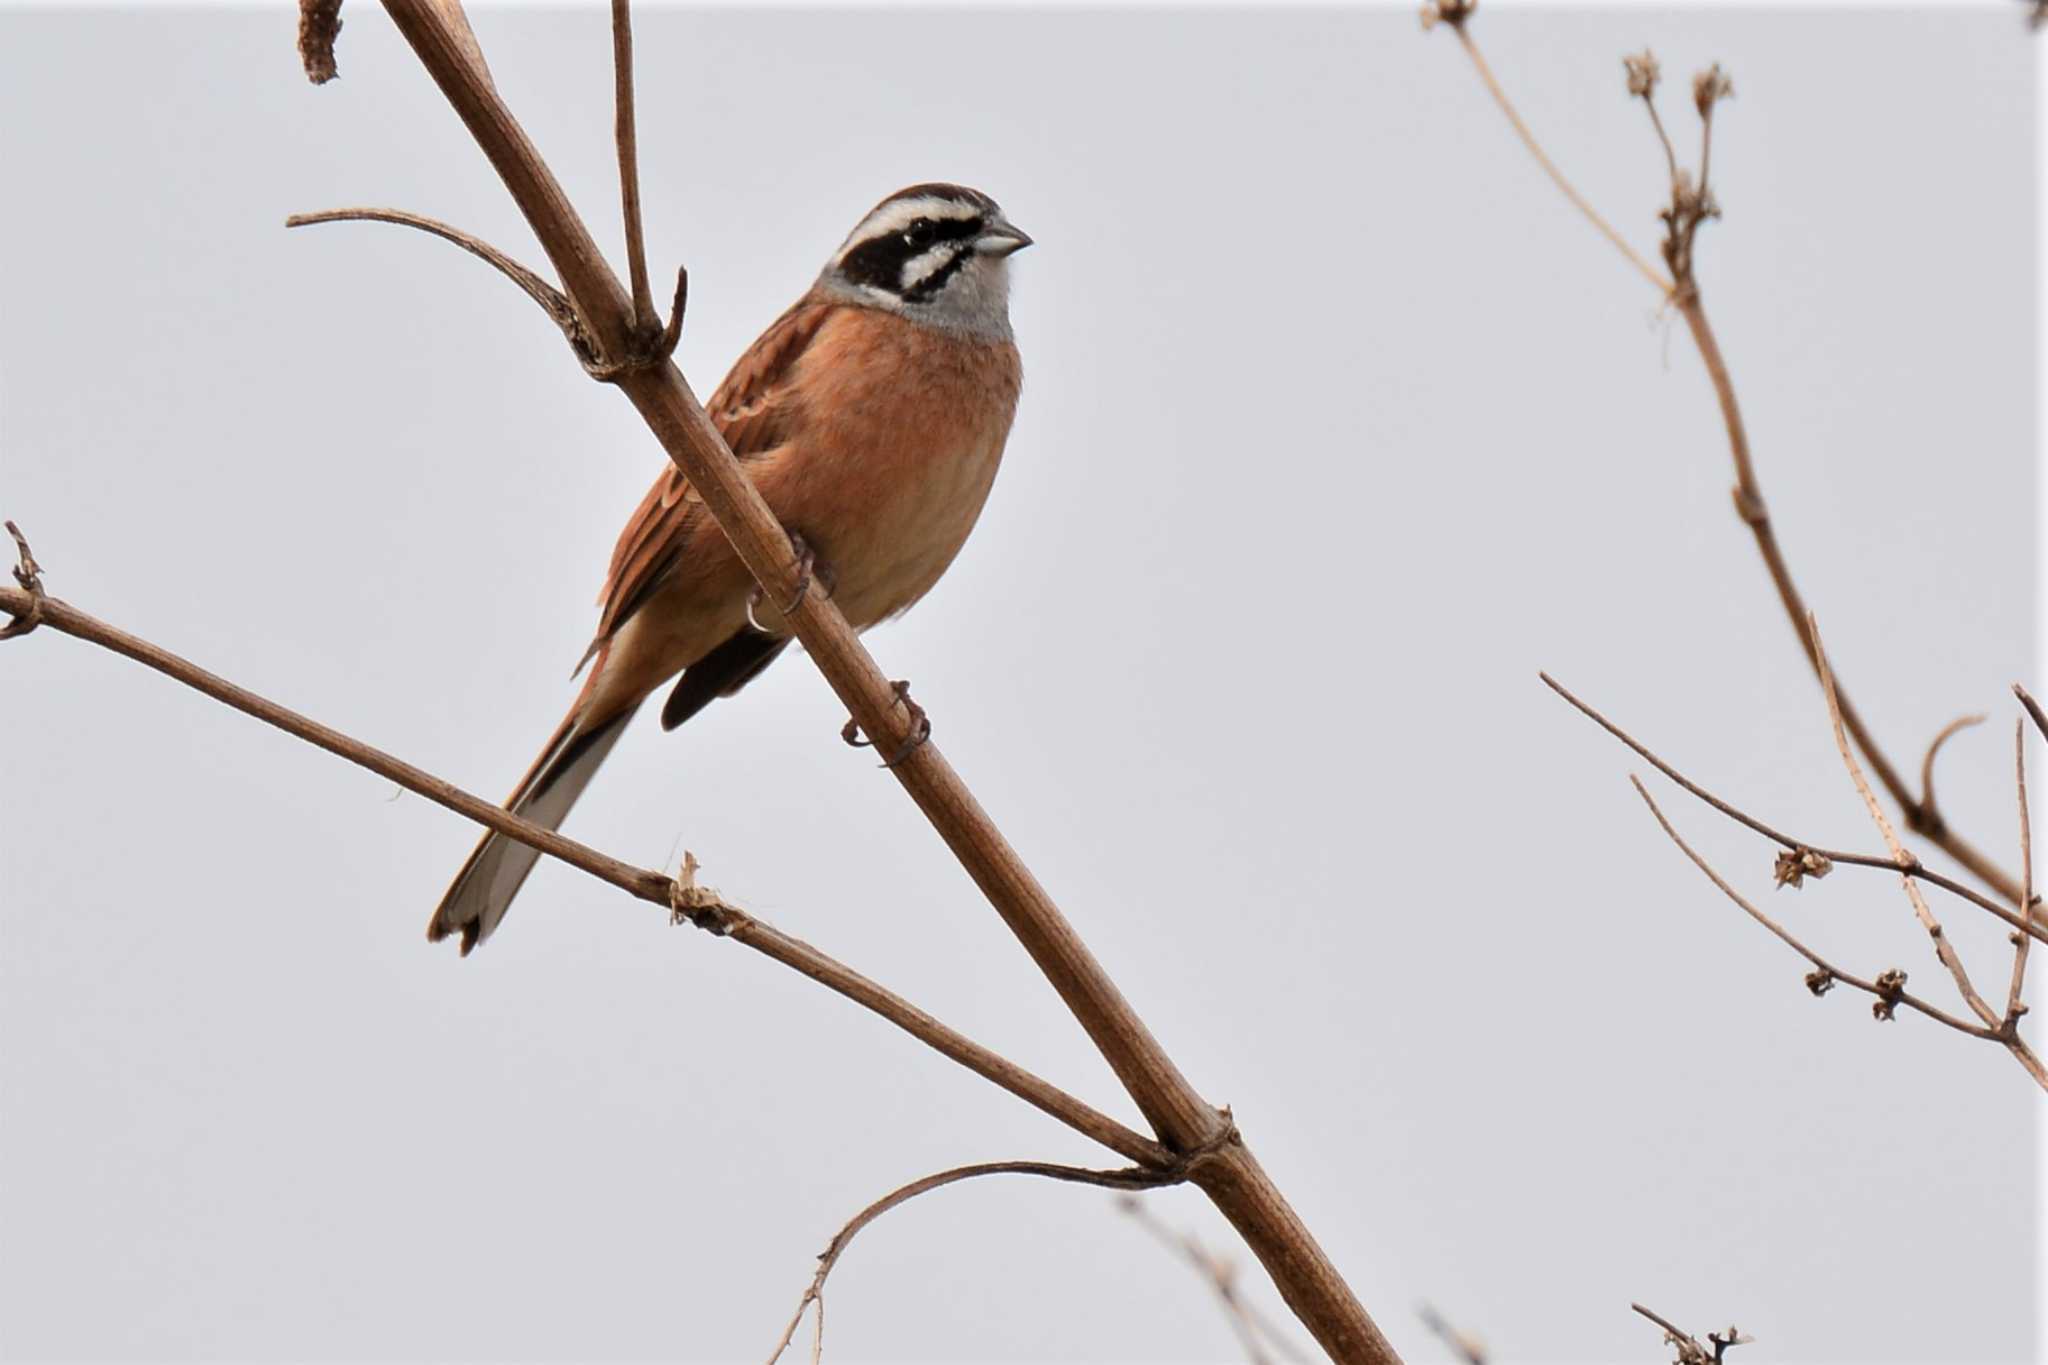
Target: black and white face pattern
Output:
[(935, 252)]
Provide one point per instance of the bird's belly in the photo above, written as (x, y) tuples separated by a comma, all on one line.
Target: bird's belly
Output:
[(885, 561)]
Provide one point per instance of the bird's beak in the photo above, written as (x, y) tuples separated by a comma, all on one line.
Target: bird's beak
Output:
[(1001, 238)]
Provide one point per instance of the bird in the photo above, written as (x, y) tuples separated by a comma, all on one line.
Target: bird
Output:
[(871, 417)]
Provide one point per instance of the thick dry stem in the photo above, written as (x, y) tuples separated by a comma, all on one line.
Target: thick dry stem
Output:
[(1177, 1113)]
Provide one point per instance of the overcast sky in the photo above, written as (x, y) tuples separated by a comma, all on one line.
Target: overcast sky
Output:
[(1338, 426)]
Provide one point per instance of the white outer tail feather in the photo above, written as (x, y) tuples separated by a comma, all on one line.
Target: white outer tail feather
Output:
[(482, 892)]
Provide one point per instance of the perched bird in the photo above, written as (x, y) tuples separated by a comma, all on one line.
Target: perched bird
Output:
[(871, 416)]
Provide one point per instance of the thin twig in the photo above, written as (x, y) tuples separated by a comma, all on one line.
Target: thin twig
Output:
[(1790, 844), (1889, 991), (1134, 1178), (640, 883), (645, 321), (552, 301), (2021, 942), (1948, 731), (1507, 107), (1255, 1331), (1466, 1347), (1943, 949)]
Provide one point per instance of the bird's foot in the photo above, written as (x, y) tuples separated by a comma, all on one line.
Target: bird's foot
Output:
[(809, 569), (920, 727)]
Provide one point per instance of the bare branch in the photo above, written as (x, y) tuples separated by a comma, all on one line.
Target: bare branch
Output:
[(1689, 207), (1135, 1178), (642, 884), (1943, 949), (2013, 1006), (1798, 848), (1889, 989)]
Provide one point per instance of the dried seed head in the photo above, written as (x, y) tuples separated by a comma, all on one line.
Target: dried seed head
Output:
[(1452, 12), (1643, 73), (1710, 87), (1795, 865), (1890, 986), (1820, 981)]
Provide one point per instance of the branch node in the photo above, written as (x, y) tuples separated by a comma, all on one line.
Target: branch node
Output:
[(29, 575), (689, 903), (1749, 506)]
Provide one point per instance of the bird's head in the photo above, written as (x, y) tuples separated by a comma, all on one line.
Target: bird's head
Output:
[(938, 254)]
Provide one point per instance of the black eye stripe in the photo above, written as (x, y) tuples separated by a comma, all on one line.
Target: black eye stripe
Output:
[(879, 261)]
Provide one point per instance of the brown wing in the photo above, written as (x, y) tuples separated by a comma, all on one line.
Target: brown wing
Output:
[(754, 411)]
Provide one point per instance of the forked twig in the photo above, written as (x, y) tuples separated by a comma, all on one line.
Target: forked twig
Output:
[(1454, 14), (1689, 207), (1796, 850), (1889, 989), (1133, 1178)]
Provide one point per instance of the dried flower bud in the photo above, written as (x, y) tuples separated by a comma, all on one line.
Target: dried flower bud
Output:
[(1820, 981), (1795, 865), (1710, 87), (1452, 12), (1890, 986), (1643, 73)]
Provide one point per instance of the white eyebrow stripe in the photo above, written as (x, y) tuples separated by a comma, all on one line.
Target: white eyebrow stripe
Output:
[(892, 218), (922, 268)]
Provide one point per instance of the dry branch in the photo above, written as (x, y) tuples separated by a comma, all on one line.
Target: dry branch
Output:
[(1800, 858), (31, 604), (1889, 988), (439, 35), (1688, 208)]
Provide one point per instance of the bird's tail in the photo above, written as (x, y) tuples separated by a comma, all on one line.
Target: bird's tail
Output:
[(482, 892)]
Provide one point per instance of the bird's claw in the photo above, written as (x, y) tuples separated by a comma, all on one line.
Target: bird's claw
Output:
[(920, 727), (809, 568)]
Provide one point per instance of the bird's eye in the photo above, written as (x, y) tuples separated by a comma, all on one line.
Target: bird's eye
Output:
[(920, 232)]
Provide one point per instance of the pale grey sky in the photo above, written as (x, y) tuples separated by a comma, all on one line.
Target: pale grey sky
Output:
[(1284, 759)]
